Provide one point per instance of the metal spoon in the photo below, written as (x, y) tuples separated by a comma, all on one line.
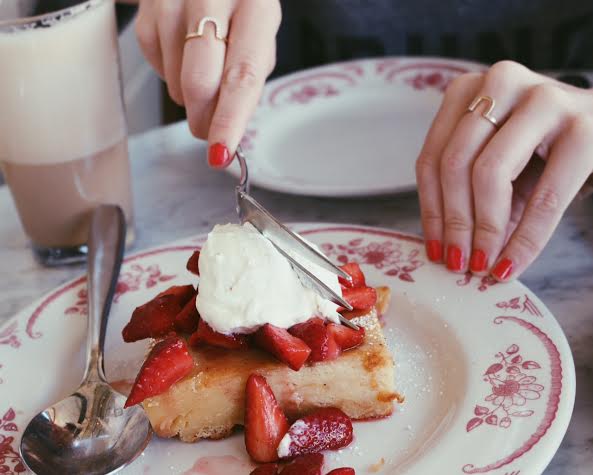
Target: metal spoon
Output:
[(89, 432)]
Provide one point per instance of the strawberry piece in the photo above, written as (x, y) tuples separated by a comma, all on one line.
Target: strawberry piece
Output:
[(354, 271), (181, 293), (153, 319), (346, 338), (187, 320), (168, 362), (287, 348), (342, 471), (324, 429), (265, 422), (310, 464), (192, 263), (206, 335), (267, 469), (315, 334), (361, 298)]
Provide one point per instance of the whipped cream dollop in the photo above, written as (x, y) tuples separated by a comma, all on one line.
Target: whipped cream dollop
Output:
[(245, 283)]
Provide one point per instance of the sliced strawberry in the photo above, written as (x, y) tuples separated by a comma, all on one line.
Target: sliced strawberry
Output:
[(345, 337), (267, 469), (192, 263), (287, 348), (265, 422), (342, 471), (361, 298), (187, 320), (354, 271), (181, 293), (168, 362), (205, 335), (310, 464), (314, 333), (153, 319), (324, 429)]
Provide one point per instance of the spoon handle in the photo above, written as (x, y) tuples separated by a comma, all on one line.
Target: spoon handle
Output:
[(106, 247)]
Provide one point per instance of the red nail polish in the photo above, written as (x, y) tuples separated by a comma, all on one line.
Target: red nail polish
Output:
[(218, 155), (503, 269), (454, 258), (479, 261), (434, 250)]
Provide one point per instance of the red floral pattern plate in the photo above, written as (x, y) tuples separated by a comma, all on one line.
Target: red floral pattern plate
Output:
[(486, 371), (347, 129)]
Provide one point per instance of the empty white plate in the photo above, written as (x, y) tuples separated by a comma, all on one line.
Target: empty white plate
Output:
[(347, 129)]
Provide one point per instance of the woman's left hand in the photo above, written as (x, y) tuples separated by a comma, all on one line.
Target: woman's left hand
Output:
[(493, 191)]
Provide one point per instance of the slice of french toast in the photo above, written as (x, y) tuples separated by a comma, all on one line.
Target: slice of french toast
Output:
[(210, 401)]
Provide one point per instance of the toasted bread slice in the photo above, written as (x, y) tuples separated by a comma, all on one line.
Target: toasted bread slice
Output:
[(209, 402)]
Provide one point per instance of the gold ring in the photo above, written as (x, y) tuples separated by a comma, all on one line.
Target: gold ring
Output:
[(487, 114), (200, 30)]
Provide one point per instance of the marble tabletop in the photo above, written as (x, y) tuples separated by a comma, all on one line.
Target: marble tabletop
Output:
[(177, 195)]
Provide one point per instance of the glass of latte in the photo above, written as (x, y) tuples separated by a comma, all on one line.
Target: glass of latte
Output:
[(63, 135)]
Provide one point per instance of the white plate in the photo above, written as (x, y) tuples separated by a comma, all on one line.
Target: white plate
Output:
[(347, 129), (486, 371)]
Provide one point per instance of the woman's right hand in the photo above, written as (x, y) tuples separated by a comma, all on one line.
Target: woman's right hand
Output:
[(219, 82)]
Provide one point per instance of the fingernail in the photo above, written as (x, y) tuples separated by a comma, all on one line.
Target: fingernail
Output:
[(479, 261), (218, 155), (454, 258), (503, 269), (434, 250)]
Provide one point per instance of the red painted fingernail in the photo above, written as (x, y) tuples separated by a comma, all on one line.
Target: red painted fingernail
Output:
[(434, 250), (479, 261), (218, 155), (503, 269), (454, 258)]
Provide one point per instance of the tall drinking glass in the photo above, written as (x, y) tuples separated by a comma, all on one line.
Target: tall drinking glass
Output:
[(63, 134)]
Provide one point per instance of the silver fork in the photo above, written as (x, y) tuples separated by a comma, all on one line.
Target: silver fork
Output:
[(288, 243)]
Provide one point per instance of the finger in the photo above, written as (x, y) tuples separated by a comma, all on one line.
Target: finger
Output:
[(148, 37), (501, 161), (472, 133), (171, 30), (569, 164), (249, 60), (203, 62), (523, 188), (453, 107)]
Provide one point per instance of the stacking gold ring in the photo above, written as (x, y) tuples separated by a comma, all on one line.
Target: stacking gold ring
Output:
[(487, 114), (200, 30)]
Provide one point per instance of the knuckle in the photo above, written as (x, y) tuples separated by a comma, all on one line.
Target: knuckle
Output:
[(425, 167), (528, 244), (580, 126), (222, 121), (505, 69), (242, 75), (457, 223), (545, 201), (453, 167), (431, 215), (546, 94), (198, 86), (488, 169), (486, 227)]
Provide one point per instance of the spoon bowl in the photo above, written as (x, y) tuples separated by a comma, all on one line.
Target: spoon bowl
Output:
[(90, 432)]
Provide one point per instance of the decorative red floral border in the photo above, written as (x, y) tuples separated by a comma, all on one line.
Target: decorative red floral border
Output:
[(552, 403)]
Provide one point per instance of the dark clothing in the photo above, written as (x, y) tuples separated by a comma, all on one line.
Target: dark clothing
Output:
[(542, 34)]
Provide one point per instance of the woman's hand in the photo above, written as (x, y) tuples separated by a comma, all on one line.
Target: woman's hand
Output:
[(491, 195), (218, 81)]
